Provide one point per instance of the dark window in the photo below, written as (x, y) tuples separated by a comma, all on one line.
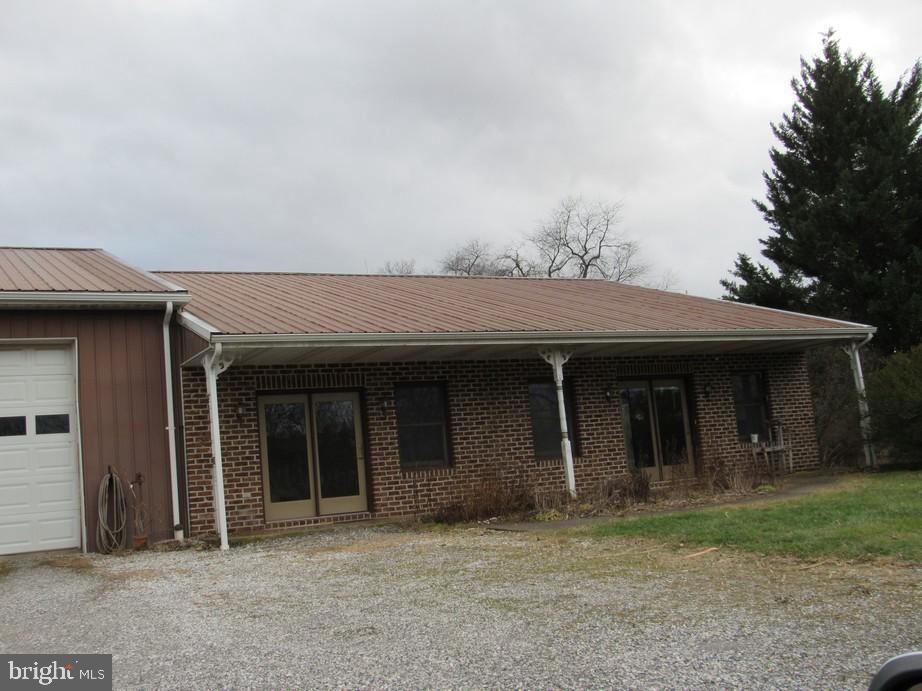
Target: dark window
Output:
[(52, 424), (545, 418), (422, 425), (12, 426), (337, 456), (749, 397), (286, 452)]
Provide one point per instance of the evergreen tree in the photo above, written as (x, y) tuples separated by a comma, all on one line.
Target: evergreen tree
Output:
[(844, 201)]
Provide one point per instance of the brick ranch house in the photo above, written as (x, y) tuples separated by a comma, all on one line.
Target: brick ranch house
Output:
[(260, 401)]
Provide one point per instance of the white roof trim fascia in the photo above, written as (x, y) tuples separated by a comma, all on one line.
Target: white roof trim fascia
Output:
[(45, 298), (536, 338), (196, 325)]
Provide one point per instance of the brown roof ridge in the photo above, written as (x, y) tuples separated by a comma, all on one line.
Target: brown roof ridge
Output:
[(357, 274), (52, 249)]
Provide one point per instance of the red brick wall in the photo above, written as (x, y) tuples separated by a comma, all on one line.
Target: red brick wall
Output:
[(490, 425)]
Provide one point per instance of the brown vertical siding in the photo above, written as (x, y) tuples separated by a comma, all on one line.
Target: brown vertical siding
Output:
[(122, 400)]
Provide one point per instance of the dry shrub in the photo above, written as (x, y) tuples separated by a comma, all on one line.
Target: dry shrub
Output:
[(490, 499), (723, 477), (554, 500), (684, 482), (622, 490)]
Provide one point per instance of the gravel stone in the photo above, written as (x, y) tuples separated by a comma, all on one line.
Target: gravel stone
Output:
[(395, 607)]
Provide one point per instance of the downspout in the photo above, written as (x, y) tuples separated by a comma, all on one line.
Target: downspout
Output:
[(864, 412), (557, 359), (213, 367), (171, 421)]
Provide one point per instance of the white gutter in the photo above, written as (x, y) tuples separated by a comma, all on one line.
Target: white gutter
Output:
[(46, 298), (171, 420), (214, 365), (538, 338), (196, 325)]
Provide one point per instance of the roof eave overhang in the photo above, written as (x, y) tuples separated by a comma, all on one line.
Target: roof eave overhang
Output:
[(196, 325), (54, 298), (542, 338)]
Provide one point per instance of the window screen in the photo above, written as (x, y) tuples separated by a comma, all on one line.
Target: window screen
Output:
[(422, 425), (749, 397), (545, 418)]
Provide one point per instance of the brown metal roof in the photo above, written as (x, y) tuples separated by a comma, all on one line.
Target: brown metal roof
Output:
[(287, 303), (39, 269)]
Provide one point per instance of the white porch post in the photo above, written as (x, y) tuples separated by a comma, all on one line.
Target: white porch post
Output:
[(864, 413), (214, 366), (557, 359)]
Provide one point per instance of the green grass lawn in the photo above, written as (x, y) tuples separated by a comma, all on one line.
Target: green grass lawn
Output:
[(862, 517)]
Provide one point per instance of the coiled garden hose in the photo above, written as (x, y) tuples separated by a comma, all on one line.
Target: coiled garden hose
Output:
[(112, 514)]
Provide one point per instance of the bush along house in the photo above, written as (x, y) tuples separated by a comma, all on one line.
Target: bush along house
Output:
[(261, 401)]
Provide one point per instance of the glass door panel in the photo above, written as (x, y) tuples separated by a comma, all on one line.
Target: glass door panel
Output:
[(672, 426), (656, 429), (638, 425), (288, 483), (340, 452)]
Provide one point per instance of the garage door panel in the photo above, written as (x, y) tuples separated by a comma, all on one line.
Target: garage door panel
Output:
[(13, 359), (15, 460), (15, 498), (14, 391), (55, 495), (39, 476), (52, 390), (56, 532), (16, 536), (52, 359), (36, 498), (53, 458)]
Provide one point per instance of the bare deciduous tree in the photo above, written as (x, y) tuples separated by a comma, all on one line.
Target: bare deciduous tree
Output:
[(548, 243), (665, 281), (514, 262), (582, 240), (474, 258), (579, 240), (399, 267)]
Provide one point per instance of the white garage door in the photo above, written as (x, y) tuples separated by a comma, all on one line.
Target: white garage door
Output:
[(39, 481)]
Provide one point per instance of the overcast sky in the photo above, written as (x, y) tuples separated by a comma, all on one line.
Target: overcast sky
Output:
[(334, 136)]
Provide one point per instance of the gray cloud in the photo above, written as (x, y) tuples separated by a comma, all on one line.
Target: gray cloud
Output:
[(333, 136)]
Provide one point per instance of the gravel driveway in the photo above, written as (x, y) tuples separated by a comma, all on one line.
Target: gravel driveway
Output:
[(398, 607)]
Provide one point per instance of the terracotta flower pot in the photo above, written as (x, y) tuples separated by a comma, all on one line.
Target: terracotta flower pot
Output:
[(140, 542)]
